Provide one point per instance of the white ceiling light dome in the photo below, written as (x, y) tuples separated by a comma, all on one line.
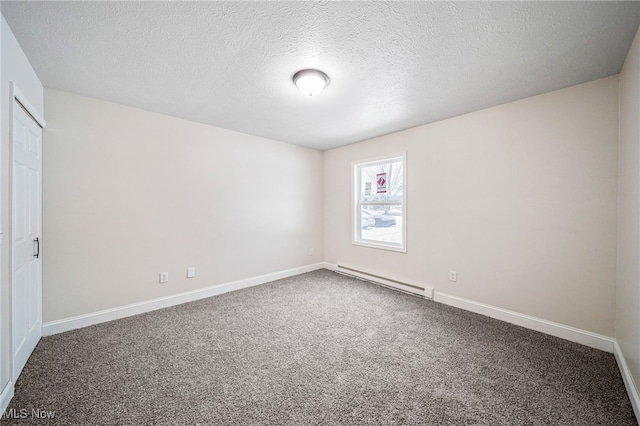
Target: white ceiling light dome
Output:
[(310, 82)]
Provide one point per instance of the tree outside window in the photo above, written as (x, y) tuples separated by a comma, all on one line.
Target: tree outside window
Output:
[(379, 199)]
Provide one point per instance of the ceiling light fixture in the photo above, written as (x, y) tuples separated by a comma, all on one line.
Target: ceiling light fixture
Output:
[(310, 82)]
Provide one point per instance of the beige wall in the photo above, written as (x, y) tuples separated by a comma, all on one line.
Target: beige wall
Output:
[(519, 199), (628, 281), (16, 68), (129, 193)]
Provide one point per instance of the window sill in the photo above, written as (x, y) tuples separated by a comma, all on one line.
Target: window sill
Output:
[(380, 246)]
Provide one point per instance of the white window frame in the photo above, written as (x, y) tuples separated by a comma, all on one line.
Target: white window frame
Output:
[(357, 203)]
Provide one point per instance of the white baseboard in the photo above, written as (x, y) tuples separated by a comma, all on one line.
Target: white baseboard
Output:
[(572, 334), (330, 266), (66, 324), (629, 383), (5, 397)]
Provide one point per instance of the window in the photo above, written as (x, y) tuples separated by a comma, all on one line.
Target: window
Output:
[(379, 215)]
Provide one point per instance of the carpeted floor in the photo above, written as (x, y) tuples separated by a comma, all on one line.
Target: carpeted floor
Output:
[(319, 349)]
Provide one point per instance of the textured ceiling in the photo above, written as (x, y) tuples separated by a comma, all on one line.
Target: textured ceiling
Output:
[(392, 65)]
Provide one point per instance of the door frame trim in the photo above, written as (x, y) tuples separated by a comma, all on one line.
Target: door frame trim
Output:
[(16, 95)]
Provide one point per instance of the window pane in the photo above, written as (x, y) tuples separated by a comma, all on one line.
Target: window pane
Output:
[(379, 200), (382, 182), (382, 223)]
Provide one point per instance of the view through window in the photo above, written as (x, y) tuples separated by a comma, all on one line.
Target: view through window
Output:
[(379, 195)]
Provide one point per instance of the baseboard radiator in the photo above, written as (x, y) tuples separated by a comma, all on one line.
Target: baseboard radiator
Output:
[(413, 289)]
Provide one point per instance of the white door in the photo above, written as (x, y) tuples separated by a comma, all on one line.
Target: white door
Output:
[(26, 284)]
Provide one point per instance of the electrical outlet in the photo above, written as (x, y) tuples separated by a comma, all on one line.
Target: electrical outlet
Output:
[(311, 251), (191, 272), (164, 277), (453, 276)]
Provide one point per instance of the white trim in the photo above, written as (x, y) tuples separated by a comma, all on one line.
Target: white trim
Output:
[(629, 383), (5, 397), (66, 324), (356, 203), (329, 266), (380, 246), (386, 281), (572, 334), (20, 97)]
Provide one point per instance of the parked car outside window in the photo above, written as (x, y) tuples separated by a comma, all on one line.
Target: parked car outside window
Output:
[(367, 221), (381, 220)]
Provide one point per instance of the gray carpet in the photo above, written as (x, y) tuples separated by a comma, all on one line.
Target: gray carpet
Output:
[(318, 349)]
